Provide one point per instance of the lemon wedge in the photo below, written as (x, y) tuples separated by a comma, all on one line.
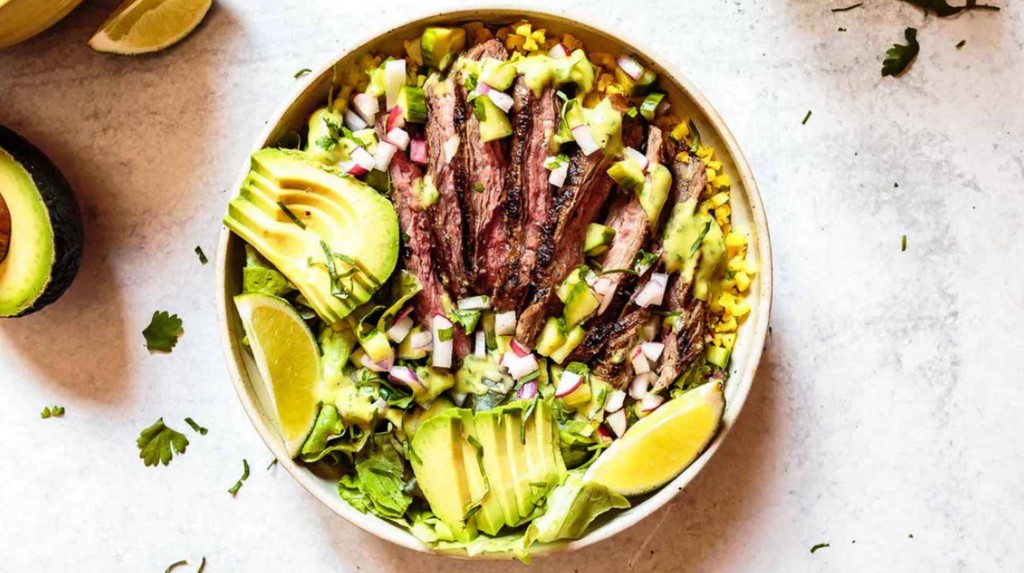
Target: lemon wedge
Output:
[(288, 359), (143, 26), (660, 446)]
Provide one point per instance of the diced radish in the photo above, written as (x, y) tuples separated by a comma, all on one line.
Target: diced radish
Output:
[(418, 150), (520, 367), (405, 375), (451, 147), (353, 168), (480, 344), (640, 364), (585, 139), (632, 67), (394, 79), (652, 350), (397, 137), (382, 157), (422, 341), (518, 348), (652, 293), (558, 52), (567, 383), (636, 156), (651, 402), (500, 99), (400, 329), (604, 288), (483, 89), (615, 401), (458, 398), (481, 302), (558, 175), (396, 119), (617, 422), (363, 158), (527, 391), (442, 331), (367, 107), (505, 323), (353, 121), (638, 387), (382, 366)]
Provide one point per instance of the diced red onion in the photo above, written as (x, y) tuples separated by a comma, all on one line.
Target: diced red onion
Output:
[(353, 121), (640, 364), (366, 106), (585, 139), (615, 401), (481, 302), (394, 79), (518, 348), (382, 366), (527, 391), (651, 402), (400, 329), (353, 168), (638, 387), (500, 99), (451, 147), (652, 293), (652, 350), (569, 382), (558, 175), (418, 150), (604, 288), (505, 323), (396, 118), (480, 344), (421, 340), (632, 67), (558, 52), (636, 156), (363, 158), (520, 367), (482, 88), (442, 351), (405, 375), (617, 422), (398, 137), (382, 157)]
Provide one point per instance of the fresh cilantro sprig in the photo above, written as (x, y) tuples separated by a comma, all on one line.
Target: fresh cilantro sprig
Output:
[(158, 444), (245, 475), (163, 332), (899, 56)]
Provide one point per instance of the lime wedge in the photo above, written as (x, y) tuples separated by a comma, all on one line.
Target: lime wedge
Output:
[(660, 446), (288, 359), (143, 26)]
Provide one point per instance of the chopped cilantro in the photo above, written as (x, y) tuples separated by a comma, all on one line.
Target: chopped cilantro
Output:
[(163, 332), (960, 44), (291, 215), (202, 565), (895, 184), (848, 8), (696, 136), (175, 564), (272, 464), (700, 238), (158, 444), (904, 244), (202, 256), (899, 56), (842, 29), (302, 72), (806, 117), (942, 9), (911, 536), (819, 546), (196, 427), (245, 475), (478, 187)]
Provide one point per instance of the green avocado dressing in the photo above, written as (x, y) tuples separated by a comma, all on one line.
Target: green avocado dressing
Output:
[(654, 192), (695, 246)]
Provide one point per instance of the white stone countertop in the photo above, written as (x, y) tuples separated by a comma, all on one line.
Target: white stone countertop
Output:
[(887, 415)]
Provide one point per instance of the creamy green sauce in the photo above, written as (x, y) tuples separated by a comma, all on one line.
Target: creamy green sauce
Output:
[(539, 71), (695, 246), (655, 192)]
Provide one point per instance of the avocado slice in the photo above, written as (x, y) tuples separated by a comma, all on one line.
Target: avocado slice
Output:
[(333, 237), (494, 123), (40, 228), (438, 45), (447, 470), (599, 238)]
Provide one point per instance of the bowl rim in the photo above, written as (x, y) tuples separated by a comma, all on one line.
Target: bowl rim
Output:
[(741, 380)]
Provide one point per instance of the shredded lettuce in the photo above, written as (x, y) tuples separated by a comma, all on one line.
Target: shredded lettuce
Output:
[(571, 508), (379, 484)]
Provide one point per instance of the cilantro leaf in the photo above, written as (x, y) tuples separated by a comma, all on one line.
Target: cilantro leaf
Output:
[(245, 475), (202, 565), (163, 332), (202, 256), (175, 565), (196, 427), (302, 72), (899, 56), (806, 117), (158, 444), (848, 8), (819, 546), (942, 9), (272, 464)]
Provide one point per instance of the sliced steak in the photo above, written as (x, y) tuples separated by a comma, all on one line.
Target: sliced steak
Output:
[(486, 164), (528, 193), (446, 118)]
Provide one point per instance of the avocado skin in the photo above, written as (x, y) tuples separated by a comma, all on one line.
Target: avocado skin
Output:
[(65, 217)]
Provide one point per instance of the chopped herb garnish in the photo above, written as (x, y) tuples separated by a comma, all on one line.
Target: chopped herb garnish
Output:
[(942, 8), (202, 565), (700, 239), (196, 427), (55, 412), (819, 546), (614, 271), (696, 136), (158, 444), (175, 564), (561, 95), (643, 261), (330, 92), (632, 111), (842, 29), (911, 536), (960, 44), (245, 475), (302, 72), (806, 117), (272, 463), (291, 215), (475, 507), (903, 246), (531, 376), (475, 443), (327, 143), (202, 256), (526, 418), (478, 187), (163, 332), (895, 184), (899, 56), (848, 8)]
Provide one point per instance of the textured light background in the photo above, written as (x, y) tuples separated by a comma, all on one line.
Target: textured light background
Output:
[(888, 404)]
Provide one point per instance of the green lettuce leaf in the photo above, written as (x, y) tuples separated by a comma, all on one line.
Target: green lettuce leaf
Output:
[(571, 508), (515, 544), (406, 287), (379, 485)]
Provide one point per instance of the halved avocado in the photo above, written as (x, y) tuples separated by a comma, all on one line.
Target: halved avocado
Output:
[(40, 228)]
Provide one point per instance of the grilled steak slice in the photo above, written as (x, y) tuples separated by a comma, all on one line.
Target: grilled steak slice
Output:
[(486, 164), (614, 366), (528, 193), (574, 206), (446, 118)]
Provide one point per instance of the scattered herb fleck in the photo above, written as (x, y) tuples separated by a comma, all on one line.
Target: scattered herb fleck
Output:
[(842, 29), (696, 136), (54, 412), (848, 8), (291, 215), (202, 565), (175, 564), (163, 332), (202, 256), (911, 536), (899, 56), (245, 475), (960, 44), (302, 72), (806, 117), (478, 187), (196, 427), (895, 184), (903, 246), (158, 444), (942, 9), (819, 546)]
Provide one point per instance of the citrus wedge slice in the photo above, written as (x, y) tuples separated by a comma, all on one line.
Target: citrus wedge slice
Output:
[(288, 359), (143, 26), (660, 446)]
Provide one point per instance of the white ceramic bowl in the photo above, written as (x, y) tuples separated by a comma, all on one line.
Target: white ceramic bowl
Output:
[(748, 216)]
